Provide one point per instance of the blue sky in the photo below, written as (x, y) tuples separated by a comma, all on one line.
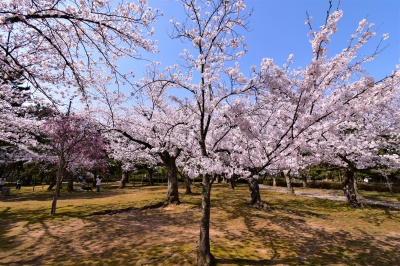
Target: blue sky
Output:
[(278, 29)]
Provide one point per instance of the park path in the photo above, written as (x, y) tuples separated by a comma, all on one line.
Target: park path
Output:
[(331, 197)]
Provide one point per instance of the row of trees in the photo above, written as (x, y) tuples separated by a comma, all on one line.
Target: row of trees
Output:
[(275, 120)]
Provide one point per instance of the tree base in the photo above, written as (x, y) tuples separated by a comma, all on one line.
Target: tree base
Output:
[(174, 202), (260, 206), (207, 260), (355, 204)]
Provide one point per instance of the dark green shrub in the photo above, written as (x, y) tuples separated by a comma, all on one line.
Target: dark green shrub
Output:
[(336, 185), (325, 185)]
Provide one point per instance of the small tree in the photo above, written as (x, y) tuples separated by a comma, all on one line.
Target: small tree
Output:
[(73, 141)]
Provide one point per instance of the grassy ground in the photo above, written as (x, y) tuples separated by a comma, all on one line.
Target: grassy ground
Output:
[(295, 231)]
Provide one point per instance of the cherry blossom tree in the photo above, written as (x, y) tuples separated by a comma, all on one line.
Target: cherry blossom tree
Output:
[(18, 125), (290, 106), (72, 141), (58, 46), (366, 138), (213, 30), (364, 112), (151, 133), (66, 49)]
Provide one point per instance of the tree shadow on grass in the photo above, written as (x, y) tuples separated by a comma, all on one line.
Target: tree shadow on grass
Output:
[(238, 261), (311, 246), (292, 234), (146, 237), (46, 195), (287, 235)]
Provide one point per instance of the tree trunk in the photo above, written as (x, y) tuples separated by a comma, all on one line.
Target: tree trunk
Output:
[(94, 178), (255, 193), (53, 182), (304, 180), (289, 184), (232, 182), (170, 163), (57, 191), (188, 183), (143, 176), (204, 256), (173, 194), (33, 183), (350, 189), (124, 179), (151, 172), (388, 184), (70, 185)]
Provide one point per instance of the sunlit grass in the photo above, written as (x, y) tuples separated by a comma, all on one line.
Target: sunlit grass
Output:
[(294, 231)]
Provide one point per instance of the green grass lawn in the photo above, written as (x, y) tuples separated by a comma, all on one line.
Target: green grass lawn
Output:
[(294, 231)]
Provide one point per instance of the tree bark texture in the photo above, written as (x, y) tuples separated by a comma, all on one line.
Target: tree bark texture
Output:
[(124, 179), (350, 189), (255, 193), (150, 171), (172, 193), (289, 184), (188, 186), (204, 256), (57, 191)]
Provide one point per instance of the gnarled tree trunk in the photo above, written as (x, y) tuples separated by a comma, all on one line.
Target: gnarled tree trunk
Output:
[(350, 189), (255, 193), (170, 163), (350, 183)]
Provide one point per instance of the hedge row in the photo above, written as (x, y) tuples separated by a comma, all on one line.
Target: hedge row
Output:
[(336, 185)]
